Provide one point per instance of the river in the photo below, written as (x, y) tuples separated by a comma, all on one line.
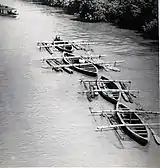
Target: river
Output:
[(43, 120)]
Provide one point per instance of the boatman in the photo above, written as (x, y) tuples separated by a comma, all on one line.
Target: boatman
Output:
[(57, 38)]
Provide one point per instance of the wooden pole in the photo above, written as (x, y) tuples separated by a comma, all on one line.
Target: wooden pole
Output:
[(111, 90), (127, 125), (126, 111), (71, 65), (106, 81), (85, 57)]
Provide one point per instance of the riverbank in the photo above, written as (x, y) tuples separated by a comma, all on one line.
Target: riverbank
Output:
[(131, 14)]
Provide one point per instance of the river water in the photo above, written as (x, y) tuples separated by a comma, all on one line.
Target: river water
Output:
[(43, 120)]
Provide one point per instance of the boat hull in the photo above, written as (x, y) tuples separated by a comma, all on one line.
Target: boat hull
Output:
[(138, 134), (9, 15), (63, 46), (64, 49), (82, 68), (108, 97)]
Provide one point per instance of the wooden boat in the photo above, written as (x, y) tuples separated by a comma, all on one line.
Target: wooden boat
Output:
[(140, 134), (111, 97), (53, 62), (63, 46), (8, 11), (88, 69)]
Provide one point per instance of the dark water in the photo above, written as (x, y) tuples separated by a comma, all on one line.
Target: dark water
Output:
[(43, 120)]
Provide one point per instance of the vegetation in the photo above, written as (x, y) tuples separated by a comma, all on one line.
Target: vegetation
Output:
[(140, 15)]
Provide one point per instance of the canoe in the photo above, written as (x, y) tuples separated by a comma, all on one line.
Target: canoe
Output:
[(140, 134), (63, 46), (53, 62), (90, 69), (8, 11), (129, 98), (111, 97)]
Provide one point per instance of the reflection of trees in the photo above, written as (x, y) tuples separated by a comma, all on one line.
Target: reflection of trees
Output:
[(134, 14)]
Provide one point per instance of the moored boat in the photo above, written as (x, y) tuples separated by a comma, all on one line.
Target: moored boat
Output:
[(8, 11), (111, 97), (140, 134), (82, 66), (53, 62), (63, 46)]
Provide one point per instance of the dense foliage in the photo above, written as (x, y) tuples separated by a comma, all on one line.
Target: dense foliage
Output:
[(141, 15)]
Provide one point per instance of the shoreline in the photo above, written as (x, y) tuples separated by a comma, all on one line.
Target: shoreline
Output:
[(142, 16)]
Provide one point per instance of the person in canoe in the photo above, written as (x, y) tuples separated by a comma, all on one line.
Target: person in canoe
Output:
[(57, 38)]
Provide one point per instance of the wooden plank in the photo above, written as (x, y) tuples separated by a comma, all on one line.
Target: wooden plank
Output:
[(105, 81), (53, 43), (84, 57), (111, 90), (71, 65), (126, 111), (132, 119), (127, 125)]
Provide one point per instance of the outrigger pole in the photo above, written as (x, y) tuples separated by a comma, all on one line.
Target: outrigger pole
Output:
[(105, 81), (123, 111), (85, 57), (111, 90), (125, 125), (71, 65), (55, 45)]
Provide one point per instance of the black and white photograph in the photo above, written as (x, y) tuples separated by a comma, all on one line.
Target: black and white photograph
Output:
[(79, 83)]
